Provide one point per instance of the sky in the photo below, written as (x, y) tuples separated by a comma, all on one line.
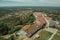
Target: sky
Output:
[(29, 3)]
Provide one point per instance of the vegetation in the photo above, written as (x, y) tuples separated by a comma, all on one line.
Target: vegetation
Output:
[(27, 19), (4, 29), (57, 36), (53, 26), (44, 35), (10, 25), (3, 12), (51, 12), (1, 38), (13, 37)]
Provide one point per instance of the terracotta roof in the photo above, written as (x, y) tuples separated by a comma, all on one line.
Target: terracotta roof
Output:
[(37, 12), (42, 20), (33, 29), (39, 17), (26, 27), (30, 29)]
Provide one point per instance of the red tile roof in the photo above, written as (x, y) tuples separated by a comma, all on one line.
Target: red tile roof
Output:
[(32, 28)]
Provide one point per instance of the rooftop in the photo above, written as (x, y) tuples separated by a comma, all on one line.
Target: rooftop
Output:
[(33, 28)]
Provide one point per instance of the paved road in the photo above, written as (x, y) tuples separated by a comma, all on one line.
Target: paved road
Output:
[(53, 35), (52, 30)]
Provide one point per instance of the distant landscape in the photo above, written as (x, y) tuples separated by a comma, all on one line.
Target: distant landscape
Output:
[(13, 19)]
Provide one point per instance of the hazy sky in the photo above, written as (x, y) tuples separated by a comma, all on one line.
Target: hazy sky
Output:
[(29, 3)]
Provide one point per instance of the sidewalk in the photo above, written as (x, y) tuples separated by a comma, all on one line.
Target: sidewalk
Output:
[(52, 30)]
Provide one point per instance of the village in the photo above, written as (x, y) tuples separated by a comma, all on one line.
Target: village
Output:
[(41, 24), (29, 19), (43, 28)]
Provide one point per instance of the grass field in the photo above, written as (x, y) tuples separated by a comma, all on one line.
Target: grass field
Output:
[(57, 36), (44, 35)]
